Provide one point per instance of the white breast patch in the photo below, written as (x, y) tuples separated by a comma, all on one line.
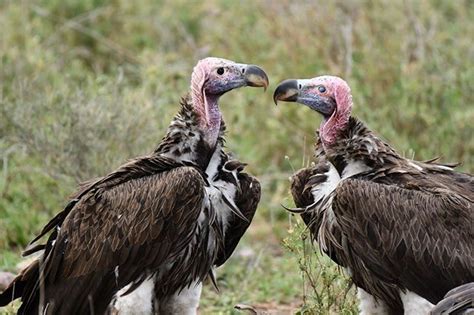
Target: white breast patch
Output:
[(325, 189)]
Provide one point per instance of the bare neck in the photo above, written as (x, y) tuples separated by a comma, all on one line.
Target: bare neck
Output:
[(339, 120), (209, 115), (331, 128), (213, 121)]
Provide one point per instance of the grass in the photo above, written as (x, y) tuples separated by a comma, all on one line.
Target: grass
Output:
[(85, 85)]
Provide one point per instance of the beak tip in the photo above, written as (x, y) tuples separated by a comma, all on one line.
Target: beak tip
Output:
[(286, 91), (256, 77)]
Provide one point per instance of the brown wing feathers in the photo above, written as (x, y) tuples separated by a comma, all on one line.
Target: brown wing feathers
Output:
[(112, 235), (140, 167), (406, 224), (408, 237), (132, 213)]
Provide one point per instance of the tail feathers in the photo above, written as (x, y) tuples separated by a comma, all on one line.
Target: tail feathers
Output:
[(23, 286), (89, 294)]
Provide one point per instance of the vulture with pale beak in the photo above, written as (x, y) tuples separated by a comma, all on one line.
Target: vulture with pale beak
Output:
[(143, 238)]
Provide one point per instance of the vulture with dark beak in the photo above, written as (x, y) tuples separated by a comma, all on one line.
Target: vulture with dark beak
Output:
[(155, 227), (402, 229)]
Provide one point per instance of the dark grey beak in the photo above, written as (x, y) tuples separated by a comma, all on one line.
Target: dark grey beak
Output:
[(286, 91), (256, 77)]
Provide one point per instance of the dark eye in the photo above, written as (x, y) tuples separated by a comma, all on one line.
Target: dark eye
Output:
[(220, 71), (321, 89)]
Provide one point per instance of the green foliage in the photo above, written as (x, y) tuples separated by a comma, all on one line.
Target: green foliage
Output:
[(325, 288), (265, 277), (85, 85)]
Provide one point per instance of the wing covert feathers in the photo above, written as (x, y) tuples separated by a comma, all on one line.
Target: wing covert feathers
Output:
[(414, 239)]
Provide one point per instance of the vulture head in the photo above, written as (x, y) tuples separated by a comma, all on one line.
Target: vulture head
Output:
[(328, 95), (212, 77)]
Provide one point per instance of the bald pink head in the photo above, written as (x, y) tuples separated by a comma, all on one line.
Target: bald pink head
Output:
[(211, 78), (328, 95)]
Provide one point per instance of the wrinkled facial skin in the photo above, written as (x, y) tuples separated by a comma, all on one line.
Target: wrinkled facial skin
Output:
[(226, 77), (211, 78), (312, 96), (328, 95), (316, 95)]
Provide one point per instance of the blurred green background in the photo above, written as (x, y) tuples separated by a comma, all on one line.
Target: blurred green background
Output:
[(86, 85)]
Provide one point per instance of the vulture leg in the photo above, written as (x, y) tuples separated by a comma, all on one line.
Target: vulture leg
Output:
[(369, 305), (139, 301), (185, 302)]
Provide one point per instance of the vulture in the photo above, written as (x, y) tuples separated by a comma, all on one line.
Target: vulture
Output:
[(155, 227), (402, 229)]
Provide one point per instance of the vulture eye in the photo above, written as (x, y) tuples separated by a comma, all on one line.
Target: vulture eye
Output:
[(321, 89), (220, 71)]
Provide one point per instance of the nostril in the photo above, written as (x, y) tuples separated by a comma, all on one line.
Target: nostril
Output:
[(243, 70), (299, 86)]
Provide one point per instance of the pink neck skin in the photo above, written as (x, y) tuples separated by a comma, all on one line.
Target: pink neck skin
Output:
[(330, 128), (205, 106)]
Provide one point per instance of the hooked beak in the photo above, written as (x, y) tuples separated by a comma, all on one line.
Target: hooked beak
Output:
[(286, 91), (255, 76), (299, 91)]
